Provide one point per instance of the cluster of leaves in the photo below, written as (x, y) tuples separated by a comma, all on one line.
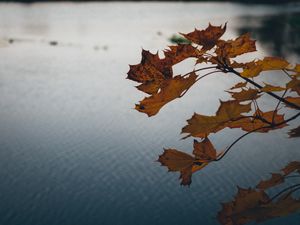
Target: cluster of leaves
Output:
[(254, 204), (155, 77)]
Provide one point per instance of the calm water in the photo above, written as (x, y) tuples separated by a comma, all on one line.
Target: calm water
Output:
[(74, 152)]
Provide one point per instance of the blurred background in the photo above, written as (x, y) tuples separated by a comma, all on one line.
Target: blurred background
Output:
[(72, 149)]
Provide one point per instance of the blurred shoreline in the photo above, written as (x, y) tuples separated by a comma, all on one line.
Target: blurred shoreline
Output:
[(236, 1)]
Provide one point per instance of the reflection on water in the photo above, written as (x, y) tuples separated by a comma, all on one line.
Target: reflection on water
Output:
[(279, 34)]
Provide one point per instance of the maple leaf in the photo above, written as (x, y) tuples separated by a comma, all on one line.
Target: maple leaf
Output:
[(233, 48), (179, 161), (178, 53), (276, 179), (204, 153), (170, 90), (245, 94), (260, 120), (201, 125), (151, 68), (206, 38), (268, 63)]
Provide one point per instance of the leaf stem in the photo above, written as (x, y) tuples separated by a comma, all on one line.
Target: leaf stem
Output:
[(199, 78), (197, 70), (241, 137)]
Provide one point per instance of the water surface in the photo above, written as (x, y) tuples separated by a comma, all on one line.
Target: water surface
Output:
[(73, 150)]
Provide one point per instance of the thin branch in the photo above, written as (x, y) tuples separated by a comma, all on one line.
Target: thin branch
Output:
[(259, 86), (241, 137), (237, 140)]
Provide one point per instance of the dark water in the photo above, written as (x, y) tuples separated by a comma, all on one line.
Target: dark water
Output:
[(74, 152)]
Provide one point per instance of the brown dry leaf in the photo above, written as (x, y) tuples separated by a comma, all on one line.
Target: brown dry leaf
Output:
[(294, 132), (271, 88), (250, 124), (268, 63), (170, 90), (274, 63), (276, 179), (175, 160), (182, 162), (204, 151), (294, 85), (239, 85), (178, 53), (153, 71), (206, 38), (245, 94), (291, 167), (201, 125), (233, 48), (151, 68)]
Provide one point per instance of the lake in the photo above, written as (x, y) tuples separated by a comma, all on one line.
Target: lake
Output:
[(73, 149)]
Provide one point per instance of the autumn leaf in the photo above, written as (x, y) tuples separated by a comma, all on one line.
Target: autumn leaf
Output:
[(179, 161), (151, 68), (276, 179), (170, 90), (201, 125), (267, 64), (233, 48), (260, 120), (206, 38), (178, 53), (245, 94), (204, 153)]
